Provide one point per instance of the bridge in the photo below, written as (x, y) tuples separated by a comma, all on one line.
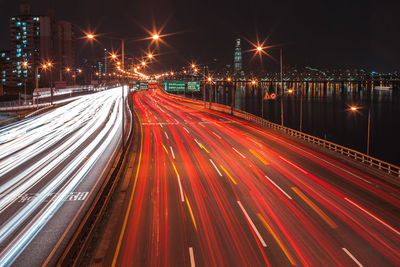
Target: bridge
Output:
[(193, 186)]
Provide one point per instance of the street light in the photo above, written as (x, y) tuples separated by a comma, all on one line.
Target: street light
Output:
[(25, 64), (260, 49), (156, 37), (150, 56), (355, 109)]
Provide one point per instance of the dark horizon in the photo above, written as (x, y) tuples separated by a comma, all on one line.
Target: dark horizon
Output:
[(361, 34)]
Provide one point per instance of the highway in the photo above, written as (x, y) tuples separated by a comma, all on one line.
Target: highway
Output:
[(213, 190), (50, 167)]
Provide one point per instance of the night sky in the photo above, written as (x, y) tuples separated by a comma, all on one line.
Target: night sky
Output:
[(325, 34)]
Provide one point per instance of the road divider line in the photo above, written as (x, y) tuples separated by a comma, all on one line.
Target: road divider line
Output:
[(201, 146), (252, 225), (185, 129), (166, 135), (294, 165), (173, 165), (239, 152), (191, 213), (216, 135), (286, 194), (227, 173), (315, 208), (259, 157), (277, 239), (191, 254), (166, 151), (212, 162), (172, 152), (373, 216), (180, 188), (352, 257)]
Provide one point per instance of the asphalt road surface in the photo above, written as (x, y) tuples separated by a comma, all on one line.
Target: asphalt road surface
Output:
[(50, 167), (214, 190)]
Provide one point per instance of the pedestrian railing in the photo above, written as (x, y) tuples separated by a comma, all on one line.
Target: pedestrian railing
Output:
[(366, 159)]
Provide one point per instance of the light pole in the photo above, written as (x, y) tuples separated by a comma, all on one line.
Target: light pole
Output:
[(210, 94), (355, 109), (259, 49)]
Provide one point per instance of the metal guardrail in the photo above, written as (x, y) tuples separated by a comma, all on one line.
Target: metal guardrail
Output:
[(371, 161)]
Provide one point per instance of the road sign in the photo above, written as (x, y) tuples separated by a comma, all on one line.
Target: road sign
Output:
[(142, 86), (273, 96), (174, 86), (193, 86), (267, 96)]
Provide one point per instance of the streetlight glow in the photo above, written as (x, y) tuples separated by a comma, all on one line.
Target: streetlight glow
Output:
[(90, 36), (143, 63), (259, 48), (150, 55), (156, 37), (353, 108)]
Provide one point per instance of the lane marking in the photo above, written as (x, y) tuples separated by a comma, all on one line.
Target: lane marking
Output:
[(180, 188), (239, 153), (220, 174), (277, 239), (192, 263), (252, 225), (172, 152), (294, 165), (173, 165), (201, 146), (114, 262), (166, 135), (191, 213), (166, 151), (315, 208), (216, 135), (233, 180), (286, 194), (185, 129), (373, 216), (259, 157), (352, 257)]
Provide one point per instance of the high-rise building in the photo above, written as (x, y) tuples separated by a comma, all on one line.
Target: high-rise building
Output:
[(24, 46), (4, 68), (35, 39), (237, 66)]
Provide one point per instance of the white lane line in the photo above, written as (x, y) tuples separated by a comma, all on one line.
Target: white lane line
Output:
[(252, 225), (294, 165), (286, 194), (239, 153), (220, 174), (197, 142), (352, 257), (166, 135), (192, 263), (172, 151), (216, 135), (180, 188), (373, 216), (185, 129)]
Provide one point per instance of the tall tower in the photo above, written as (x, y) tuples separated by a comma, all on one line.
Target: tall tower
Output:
[(237, 67)]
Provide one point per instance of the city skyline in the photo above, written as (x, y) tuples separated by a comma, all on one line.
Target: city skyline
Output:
[(356, 35)]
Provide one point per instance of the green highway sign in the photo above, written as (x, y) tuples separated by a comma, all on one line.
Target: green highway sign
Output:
[(193, 86), (174, 86), (142, 86)]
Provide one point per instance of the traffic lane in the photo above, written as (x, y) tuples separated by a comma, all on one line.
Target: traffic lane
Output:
[(55, 235), (221, 210), (346, 253), (207, 248), (38, 204), (148, 225)]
